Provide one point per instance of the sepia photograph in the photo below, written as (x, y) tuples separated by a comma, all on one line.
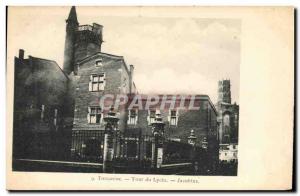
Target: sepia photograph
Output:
[(62, 120), (147, 93)]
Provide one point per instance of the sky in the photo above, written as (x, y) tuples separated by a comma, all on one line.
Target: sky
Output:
[(174, 55)]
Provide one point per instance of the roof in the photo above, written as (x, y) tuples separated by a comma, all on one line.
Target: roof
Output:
[(72, 15), (47, 61), (186, 97), (52, 63)]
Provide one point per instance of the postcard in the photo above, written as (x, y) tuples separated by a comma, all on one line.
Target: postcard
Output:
[(150, 98)]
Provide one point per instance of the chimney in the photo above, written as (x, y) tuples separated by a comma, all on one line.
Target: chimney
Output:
[(21, 54), (131, 70), (131, 78)]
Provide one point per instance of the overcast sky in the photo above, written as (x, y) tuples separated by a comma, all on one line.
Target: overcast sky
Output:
[(170, 55)]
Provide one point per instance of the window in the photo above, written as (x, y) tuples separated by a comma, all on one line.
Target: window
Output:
[(94, 115), (151, 116), (99, 63), (132, 117), (173, 117), (226, 120), (97, 82)]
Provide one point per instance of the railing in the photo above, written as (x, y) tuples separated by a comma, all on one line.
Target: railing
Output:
[(88, 145), (134, 145), (95, 28), (85, 28), (132, 152)]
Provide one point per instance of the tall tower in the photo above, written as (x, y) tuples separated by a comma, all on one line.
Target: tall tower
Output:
[(88, 41), (224, 92), (224, 110), (71, 28)]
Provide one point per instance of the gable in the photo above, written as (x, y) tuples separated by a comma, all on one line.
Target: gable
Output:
[(106, 57)]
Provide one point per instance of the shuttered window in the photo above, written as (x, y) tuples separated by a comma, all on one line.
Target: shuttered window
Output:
[(173, 117), (97, 82)]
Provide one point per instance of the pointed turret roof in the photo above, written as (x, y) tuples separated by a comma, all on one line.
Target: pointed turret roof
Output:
[(72, 15)]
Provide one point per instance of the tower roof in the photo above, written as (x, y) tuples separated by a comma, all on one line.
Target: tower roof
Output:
[(72, 15)]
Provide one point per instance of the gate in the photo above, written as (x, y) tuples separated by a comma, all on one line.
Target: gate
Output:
[(87, 145)]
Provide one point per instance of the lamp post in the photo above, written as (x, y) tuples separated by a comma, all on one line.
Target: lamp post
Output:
[(111, 125), (157, 141), (192, 141), (192, 138)]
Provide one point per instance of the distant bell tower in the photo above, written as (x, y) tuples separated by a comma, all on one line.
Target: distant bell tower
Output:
[(225, 112), (71, 28), (224, 92)]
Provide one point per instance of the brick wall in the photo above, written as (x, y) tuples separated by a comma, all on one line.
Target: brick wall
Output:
[(198, 120), (116, 82)]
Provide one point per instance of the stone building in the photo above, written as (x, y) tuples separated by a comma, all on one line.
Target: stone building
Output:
[(228, 152), (67, 101)]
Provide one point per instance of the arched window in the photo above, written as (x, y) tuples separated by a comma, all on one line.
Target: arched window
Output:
[(226, 120)]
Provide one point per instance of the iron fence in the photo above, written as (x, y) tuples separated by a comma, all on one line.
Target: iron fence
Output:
[(132, 149)]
